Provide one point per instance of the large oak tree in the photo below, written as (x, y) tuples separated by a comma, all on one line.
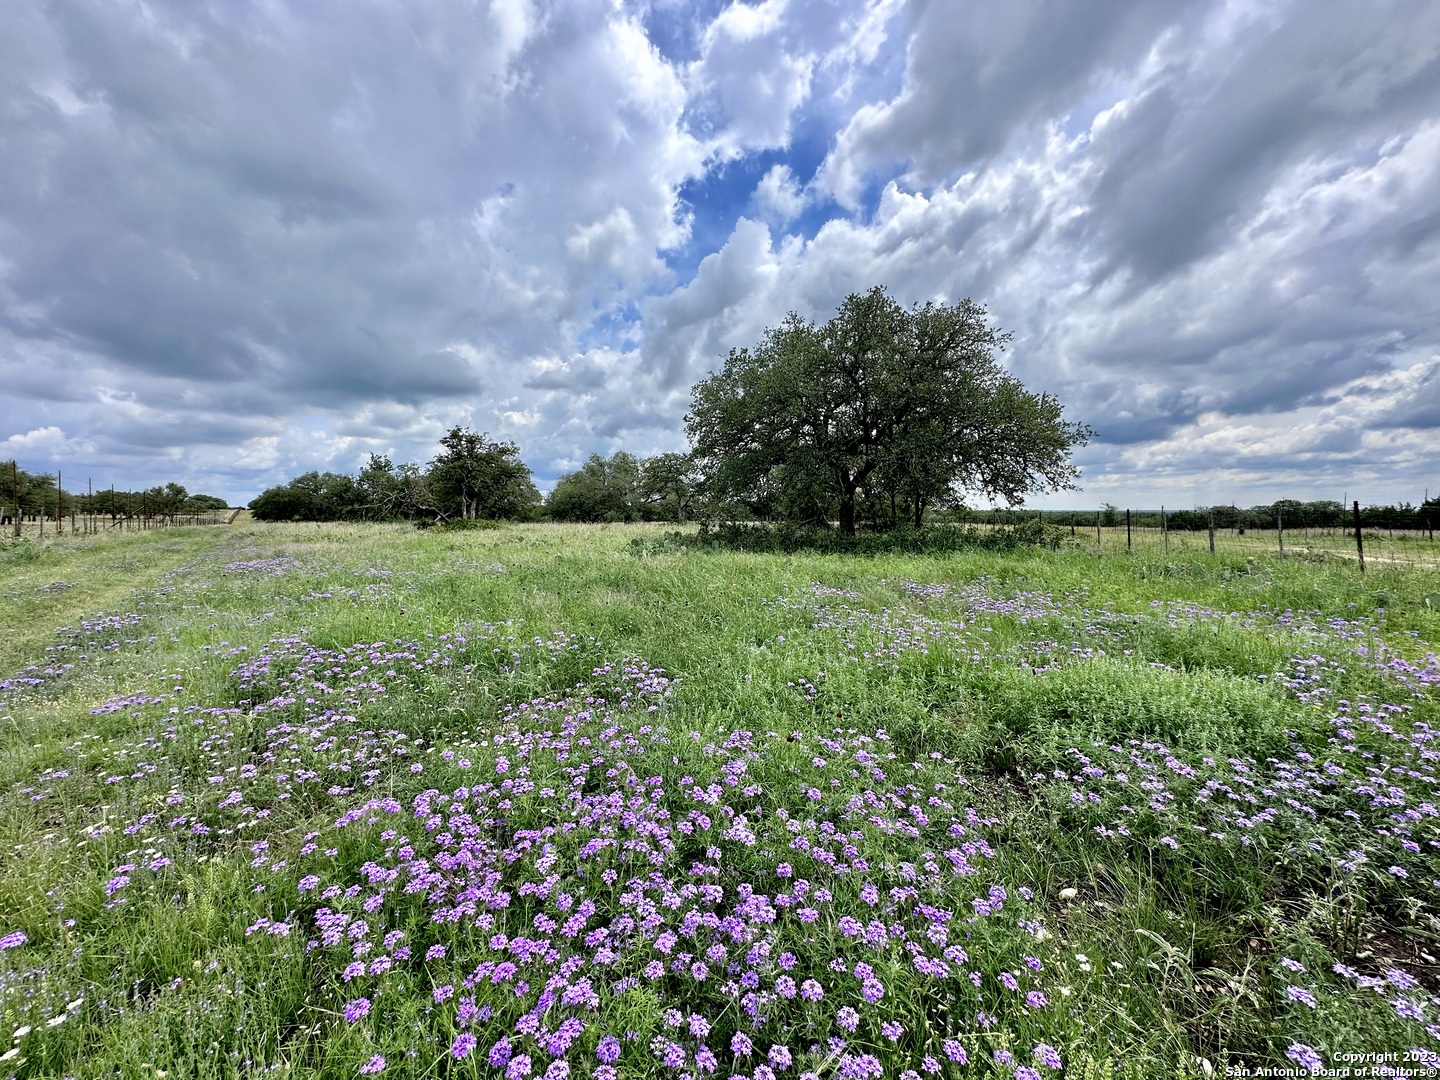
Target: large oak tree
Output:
[(880, 401)]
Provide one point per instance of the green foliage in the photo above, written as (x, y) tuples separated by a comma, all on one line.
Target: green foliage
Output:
[(932, 540), (669, 486), (465, 525), (881, 406), (473, 477), (313, 496), (390, 492), (603, 489)]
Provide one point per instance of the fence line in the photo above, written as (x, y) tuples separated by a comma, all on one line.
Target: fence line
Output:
[(1355, 541), (39, 526)]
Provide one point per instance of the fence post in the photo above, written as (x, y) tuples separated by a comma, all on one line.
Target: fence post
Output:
[(1097, 529), (1127, 530), (1280, 530), (15, 490), (1164, 532), (1212, 532), (1359, 541)]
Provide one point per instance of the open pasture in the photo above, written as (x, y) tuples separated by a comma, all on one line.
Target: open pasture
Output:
[(566, 802)]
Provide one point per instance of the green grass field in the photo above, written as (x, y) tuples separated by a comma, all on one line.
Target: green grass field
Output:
[(570, 802)]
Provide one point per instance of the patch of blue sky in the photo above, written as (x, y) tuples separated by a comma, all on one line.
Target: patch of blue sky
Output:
[(726, 193), (676, 28), (618, 328)]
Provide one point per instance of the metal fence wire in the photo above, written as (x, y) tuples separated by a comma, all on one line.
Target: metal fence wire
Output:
[(1379, 536)]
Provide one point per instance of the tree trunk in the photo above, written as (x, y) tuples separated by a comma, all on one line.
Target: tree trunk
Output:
[(919, 511), (847, 513)]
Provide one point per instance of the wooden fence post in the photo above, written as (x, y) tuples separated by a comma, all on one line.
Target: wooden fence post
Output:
[(1164, 532), (1127, 530), (1097, 529), (1212, 532), (1280, 530), (1359, 541)]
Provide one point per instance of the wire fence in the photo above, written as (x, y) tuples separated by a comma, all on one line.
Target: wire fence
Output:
[(1367, 545), (38, 526)]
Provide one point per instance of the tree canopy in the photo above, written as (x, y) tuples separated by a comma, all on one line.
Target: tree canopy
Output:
[(881, 405)]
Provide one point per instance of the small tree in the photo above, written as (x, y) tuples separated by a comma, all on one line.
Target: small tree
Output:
[(389, 492), (312, 496), (600, 490), (473, 477)]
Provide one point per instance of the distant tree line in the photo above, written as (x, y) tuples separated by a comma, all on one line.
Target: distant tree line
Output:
[(37, 495), (472, 478), (475, 478)]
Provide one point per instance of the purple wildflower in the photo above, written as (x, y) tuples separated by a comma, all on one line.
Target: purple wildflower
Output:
[(609, 1050), (357, 1010), (463, 1044), (500, 1053), (374, 1065), (1300, 994), (1046, 1055), (1304, 1056)]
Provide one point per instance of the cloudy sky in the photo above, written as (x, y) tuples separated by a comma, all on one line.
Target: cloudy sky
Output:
[(243, 240)]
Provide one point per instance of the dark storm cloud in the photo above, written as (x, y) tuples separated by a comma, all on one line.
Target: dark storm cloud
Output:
[(187, 215), (1204, 142), (977, 77)]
